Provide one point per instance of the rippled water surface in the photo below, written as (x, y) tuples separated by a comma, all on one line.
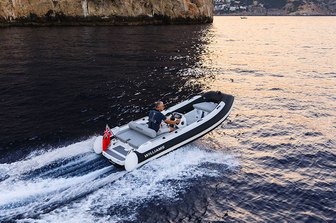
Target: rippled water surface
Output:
[(274, 160)]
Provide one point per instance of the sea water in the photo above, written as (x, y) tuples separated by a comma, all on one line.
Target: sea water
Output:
[(273, 160)]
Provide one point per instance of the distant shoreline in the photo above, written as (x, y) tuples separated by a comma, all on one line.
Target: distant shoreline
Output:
[(291, 8), (271, 15), (276, 13)]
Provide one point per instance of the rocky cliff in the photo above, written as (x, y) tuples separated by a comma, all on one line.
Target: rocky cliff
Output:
[(104, 12)]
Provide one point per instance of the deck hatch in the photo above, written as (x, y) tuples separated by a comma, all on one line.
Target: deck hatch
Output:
[(120, 150), (114, 155)]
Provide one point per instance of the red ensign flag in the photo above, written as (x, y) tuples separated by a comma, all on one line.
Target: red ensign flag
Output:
[(107, 137)]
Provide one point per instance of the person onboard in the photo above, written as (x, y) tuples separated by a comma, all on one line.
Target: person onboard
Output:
[(155, 118)]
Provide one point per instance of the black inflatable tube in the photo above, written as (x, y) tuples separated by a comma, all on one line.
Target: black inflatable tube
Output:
[(211, 96)]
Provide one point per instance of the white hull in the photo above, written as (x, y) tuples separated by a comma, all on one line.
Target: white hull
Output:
[(132, 148)]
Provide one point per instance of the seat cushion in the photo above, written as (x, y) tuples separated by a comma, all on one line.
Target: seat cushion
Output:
[(143, 129), (138, 139), (132, 137), (205, 106)]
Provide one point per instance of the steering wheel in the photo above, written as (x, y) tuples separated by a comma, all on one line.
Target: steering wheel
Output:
[(182, 119)]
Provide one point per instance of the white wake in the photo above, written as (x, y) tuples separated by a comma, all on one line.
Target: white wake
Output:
[(83, 195)]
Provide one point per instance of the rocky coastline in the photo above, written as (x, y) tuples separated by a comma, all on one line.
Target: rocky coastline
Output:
[(61, 20), (276, 13), (275, 7), (104, 12)]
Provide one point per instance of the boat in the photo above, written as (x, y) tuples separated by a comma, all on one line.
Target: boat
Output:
[(134, 144), (243, 17)]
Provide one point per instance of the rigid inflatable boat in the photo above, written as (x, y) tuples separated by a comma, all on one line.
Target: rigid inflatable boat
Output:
[(134, 144)]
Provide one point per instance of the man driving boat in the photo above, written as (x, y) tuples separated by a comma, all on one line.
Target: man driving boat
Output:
[(155, 118)]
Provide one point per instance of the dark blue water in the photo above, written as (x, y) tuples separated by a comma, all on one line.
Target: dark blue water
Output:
[(272, 161), (62, 84)]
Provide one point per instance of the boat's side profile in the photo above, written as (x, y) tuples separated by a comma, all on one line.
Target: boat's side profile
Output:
[(135, 144)]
